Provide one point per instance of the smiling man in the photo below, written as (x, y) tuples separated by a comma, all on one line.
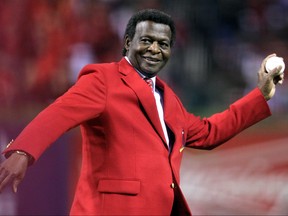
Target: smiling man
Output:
[(150, 48), (133, 138)]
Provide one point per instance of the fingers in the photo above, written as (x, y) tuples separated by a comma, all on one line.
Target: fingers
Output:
[(267, 81), (5, 180), (265, 60), (15, 185), (281, 80), (277, 75), (3, 176), (262, 71), (278, 79), (10, 178), (13, 170)]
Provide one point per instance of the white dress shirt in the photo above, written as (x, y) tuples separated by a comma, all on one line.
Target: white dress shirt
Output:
[(159, 104)]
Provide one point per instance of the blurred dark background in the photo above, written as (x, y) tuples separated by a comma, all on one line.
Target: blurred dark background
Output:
[(219, 48)]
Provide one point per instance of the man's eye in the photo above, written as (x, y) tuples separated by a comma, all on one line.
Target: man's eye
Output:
[(164, 45), (145, 40)]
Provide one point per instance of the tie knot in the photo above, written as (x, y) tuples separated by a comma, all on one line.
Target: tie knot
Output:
[(149, 82)]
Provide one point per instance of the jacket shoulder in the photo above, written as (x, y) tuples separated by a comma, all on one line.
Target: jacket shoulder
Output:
[(101, 67)]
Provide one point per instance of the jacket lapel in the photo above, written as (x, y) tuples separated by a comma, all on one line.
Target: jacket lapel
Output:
[(143, 92), (168, 107), (169, 111)]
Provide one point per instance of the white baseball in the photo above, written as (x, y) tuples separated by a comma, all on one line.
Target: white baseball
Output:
[(274, 62)]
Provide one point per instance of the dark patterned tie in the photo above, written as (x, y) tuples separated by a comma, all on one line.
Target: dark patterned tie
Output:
[(150, 83)]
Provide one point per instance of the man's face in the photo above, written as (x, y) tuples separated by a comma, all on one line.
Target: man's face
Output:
[(150, 49)]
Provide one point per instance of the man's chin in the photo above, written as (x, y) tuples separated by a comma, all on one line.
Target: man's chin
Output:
[(149, 73)]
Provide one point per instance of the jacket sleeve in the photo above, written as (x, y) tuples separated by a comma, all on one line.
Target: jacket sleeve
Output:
[(207, 133), (83, 101)]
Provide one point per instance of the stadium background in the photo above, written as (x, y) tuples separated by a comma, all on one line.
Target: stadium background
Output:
[(220, 45)]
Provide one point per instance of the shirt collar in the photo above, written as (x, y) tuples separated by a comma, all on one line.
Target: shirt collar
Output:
[(142, 75)]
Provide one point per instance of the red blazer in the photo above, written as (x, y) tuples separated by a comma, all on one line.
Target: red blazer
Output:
[(127, 167)]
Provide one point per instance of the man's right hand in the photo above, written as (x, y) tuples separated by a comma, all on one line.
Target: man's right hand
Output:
[(13, 170)]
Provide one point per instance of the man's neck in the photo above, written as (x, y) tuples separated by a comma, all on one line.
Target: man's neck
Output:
[(141, 74)]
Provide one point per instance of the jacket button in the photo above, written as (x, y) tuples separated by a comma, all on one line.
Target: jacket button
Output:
[(172, 185)]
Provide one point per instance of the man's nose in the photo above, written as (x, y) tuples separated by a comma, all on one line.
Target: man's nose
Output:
[(154, 47)]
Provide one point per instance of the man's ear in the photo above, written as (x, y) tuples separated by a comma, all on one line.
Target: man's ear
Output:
[(127, 42)]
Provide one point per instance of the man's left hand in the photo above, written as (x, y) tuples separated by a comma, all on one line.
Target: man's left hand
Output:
[(267, 81)]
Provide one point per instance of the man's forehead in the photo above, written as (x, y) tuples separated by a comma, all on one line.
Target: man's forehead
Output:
[(150, 26)]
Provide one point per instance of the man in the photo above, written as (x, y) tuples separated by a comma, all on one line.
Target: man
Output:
[(133, 132)]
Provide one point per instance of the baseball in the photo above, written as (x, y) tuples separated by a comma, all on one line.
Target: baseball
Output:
[(274, 62)]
